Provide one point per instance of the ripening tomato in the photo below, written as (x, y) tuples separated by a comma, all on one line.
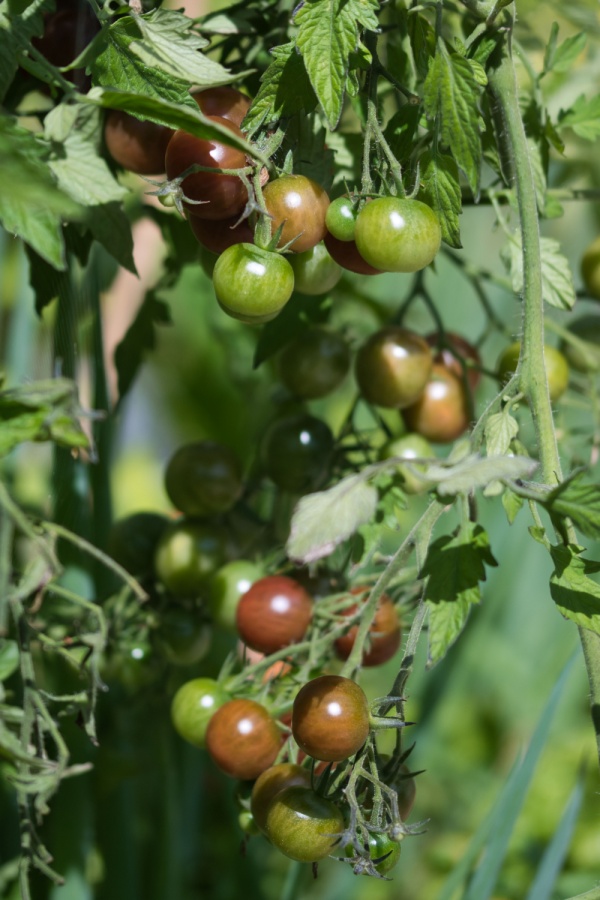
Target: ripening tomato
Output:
[(297, 451), (303, 825), (270, 783), (314, 363), (275, 612), (397, 235), (409, 447), (441, 414), (243, 739), (188, 554), (457, 354), (384, 637), (299, 204), (217, 236), (203, 478), (225, 102), (315, 271), (330, 718), (346, 255), (139, 146), (393, 367)]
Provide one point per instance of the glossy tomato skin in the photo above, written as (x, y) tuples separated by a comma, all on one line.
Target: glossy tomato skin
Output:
[(252, 284), (584, 357), (243, 739), (303, 825), (385, 633), (315, 271), (397, 235), (590, 269), (203, 478), (314, 363), (346, 254), (409, 447), (330, 718), (296, 452), (275, 612), (132, 541), (226, 588), (217, 236), (193, 707), (217, 196), (383, 852), (272, 781), (393, 367), (299, 204), (340, 219), (450, 348), (557, 368), (188, 554), (225, 102), (138, 146), (441, 414), (183, 636)]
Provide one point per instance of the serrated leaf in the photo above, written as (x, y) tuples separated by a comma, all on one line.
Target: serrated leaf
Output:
[(441, 189), (557, 279), (477, 472), (500, 429), (328, 32), (578, 501), (512, 503), (561, 58), (299, 313), (139, 339), (583, 117), (454, 568), (576, 595), (15, 34), (323, 520), (401, 130), (451, 97), (9, 658), (41, 411)]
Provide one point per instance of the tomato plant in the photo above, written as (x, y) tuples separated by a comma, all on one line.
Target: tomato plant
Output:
[(243, 739), (274, 612), (330, 718), (251, 284), (303, 825)]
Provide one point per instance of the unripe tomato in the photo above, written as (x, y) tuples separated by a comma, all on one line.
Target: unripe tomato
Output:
[(203, 478), (193, 706), (303, 825), (243, 739), (218, 236), (385, 633), (314, 363), (188, 554), (272, 781), (409, 447), (397, 235), (393, 367), (227, 586), (340, 219), (299, 204), (584, 358), (346, 254), (383, 852), (315, 271), (252, 284), (224, 101), (275, 612), (590, 269), (557, 368), (450, 348), (296, 452), (218, 196), (132, 541), (441, 414), (137, 145), (183, 636), (330, 718)]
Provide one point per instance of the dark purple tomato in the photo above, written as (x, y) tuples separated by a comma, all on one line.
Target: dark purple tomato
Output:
[(314, 363), (450, 349), (137, 146), (297, 451), (217, 236), (132, 541), (346, 255), (224, 101)]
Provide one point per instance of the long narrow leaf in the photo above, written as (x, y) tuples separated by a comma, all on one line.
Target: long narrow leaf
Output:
[(556, 851)]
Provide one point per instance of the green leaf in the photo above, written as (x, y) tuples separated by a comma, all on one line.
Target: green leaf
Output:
[(111, 228), (561, 58), (573, 591), (500, 429), (15, 34), (441, 190), (328, 32), (477, 472), (454, 567), (139, 339), (41, 411), (285, 90), (323, 520), (583, 117), (300, 312), (512, 503), (451, 96), (9, 658), (557, 279), (400, 132), (578, 501), (313, 157)]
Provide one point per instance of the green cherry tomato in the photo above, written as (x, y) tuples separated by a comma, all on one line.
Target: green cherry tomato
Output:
[(252, 284), (203, 478), (272, 781), (132, 541), (188, 554), (315, 272), (397, 235), (247, 823), (227, 585), (590, 269), (303, 825), (314, 363), (584, 356), (409, 447), (340, 219), (557, 368), (384, 853), (183, 636), (193, 706), (296, 452)]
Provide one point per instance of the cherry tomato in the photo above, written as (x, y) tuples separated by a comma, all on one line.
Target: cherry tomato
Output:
[(218, 236), (67, 32), (203, 478), (314, 363), (227, 586), (341, 219), (193, 706), (270, 783), (385, 633), (252, 284), (330, 718), (300, 205), (224, 101), (188, 554), (136, 145), (247, 823), (346, 254), (397, 235), (303, 825), (296, 452), (451, 349), (383, 852), (275, 612), (409, 447), (590, 269), (133, 666), (586, 357), (243, 739), (183, 636), (315, 272), (132, 541), (557, 368), (441, 414), (221, 196), (393, 366)]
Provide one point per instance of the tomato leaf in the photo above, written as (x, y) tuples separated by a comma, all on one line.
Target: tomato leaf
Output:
[(477, 472), (285, 90), (574, 592), (401, 130), (560, 58), (111, 228), (454, 568), (41, 411), (583, 117), (512, 503), (323, 520), (441, 190), (500, 429), (139, 339), (557, 278), (578, 501), (15, 33), (328, 32)]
